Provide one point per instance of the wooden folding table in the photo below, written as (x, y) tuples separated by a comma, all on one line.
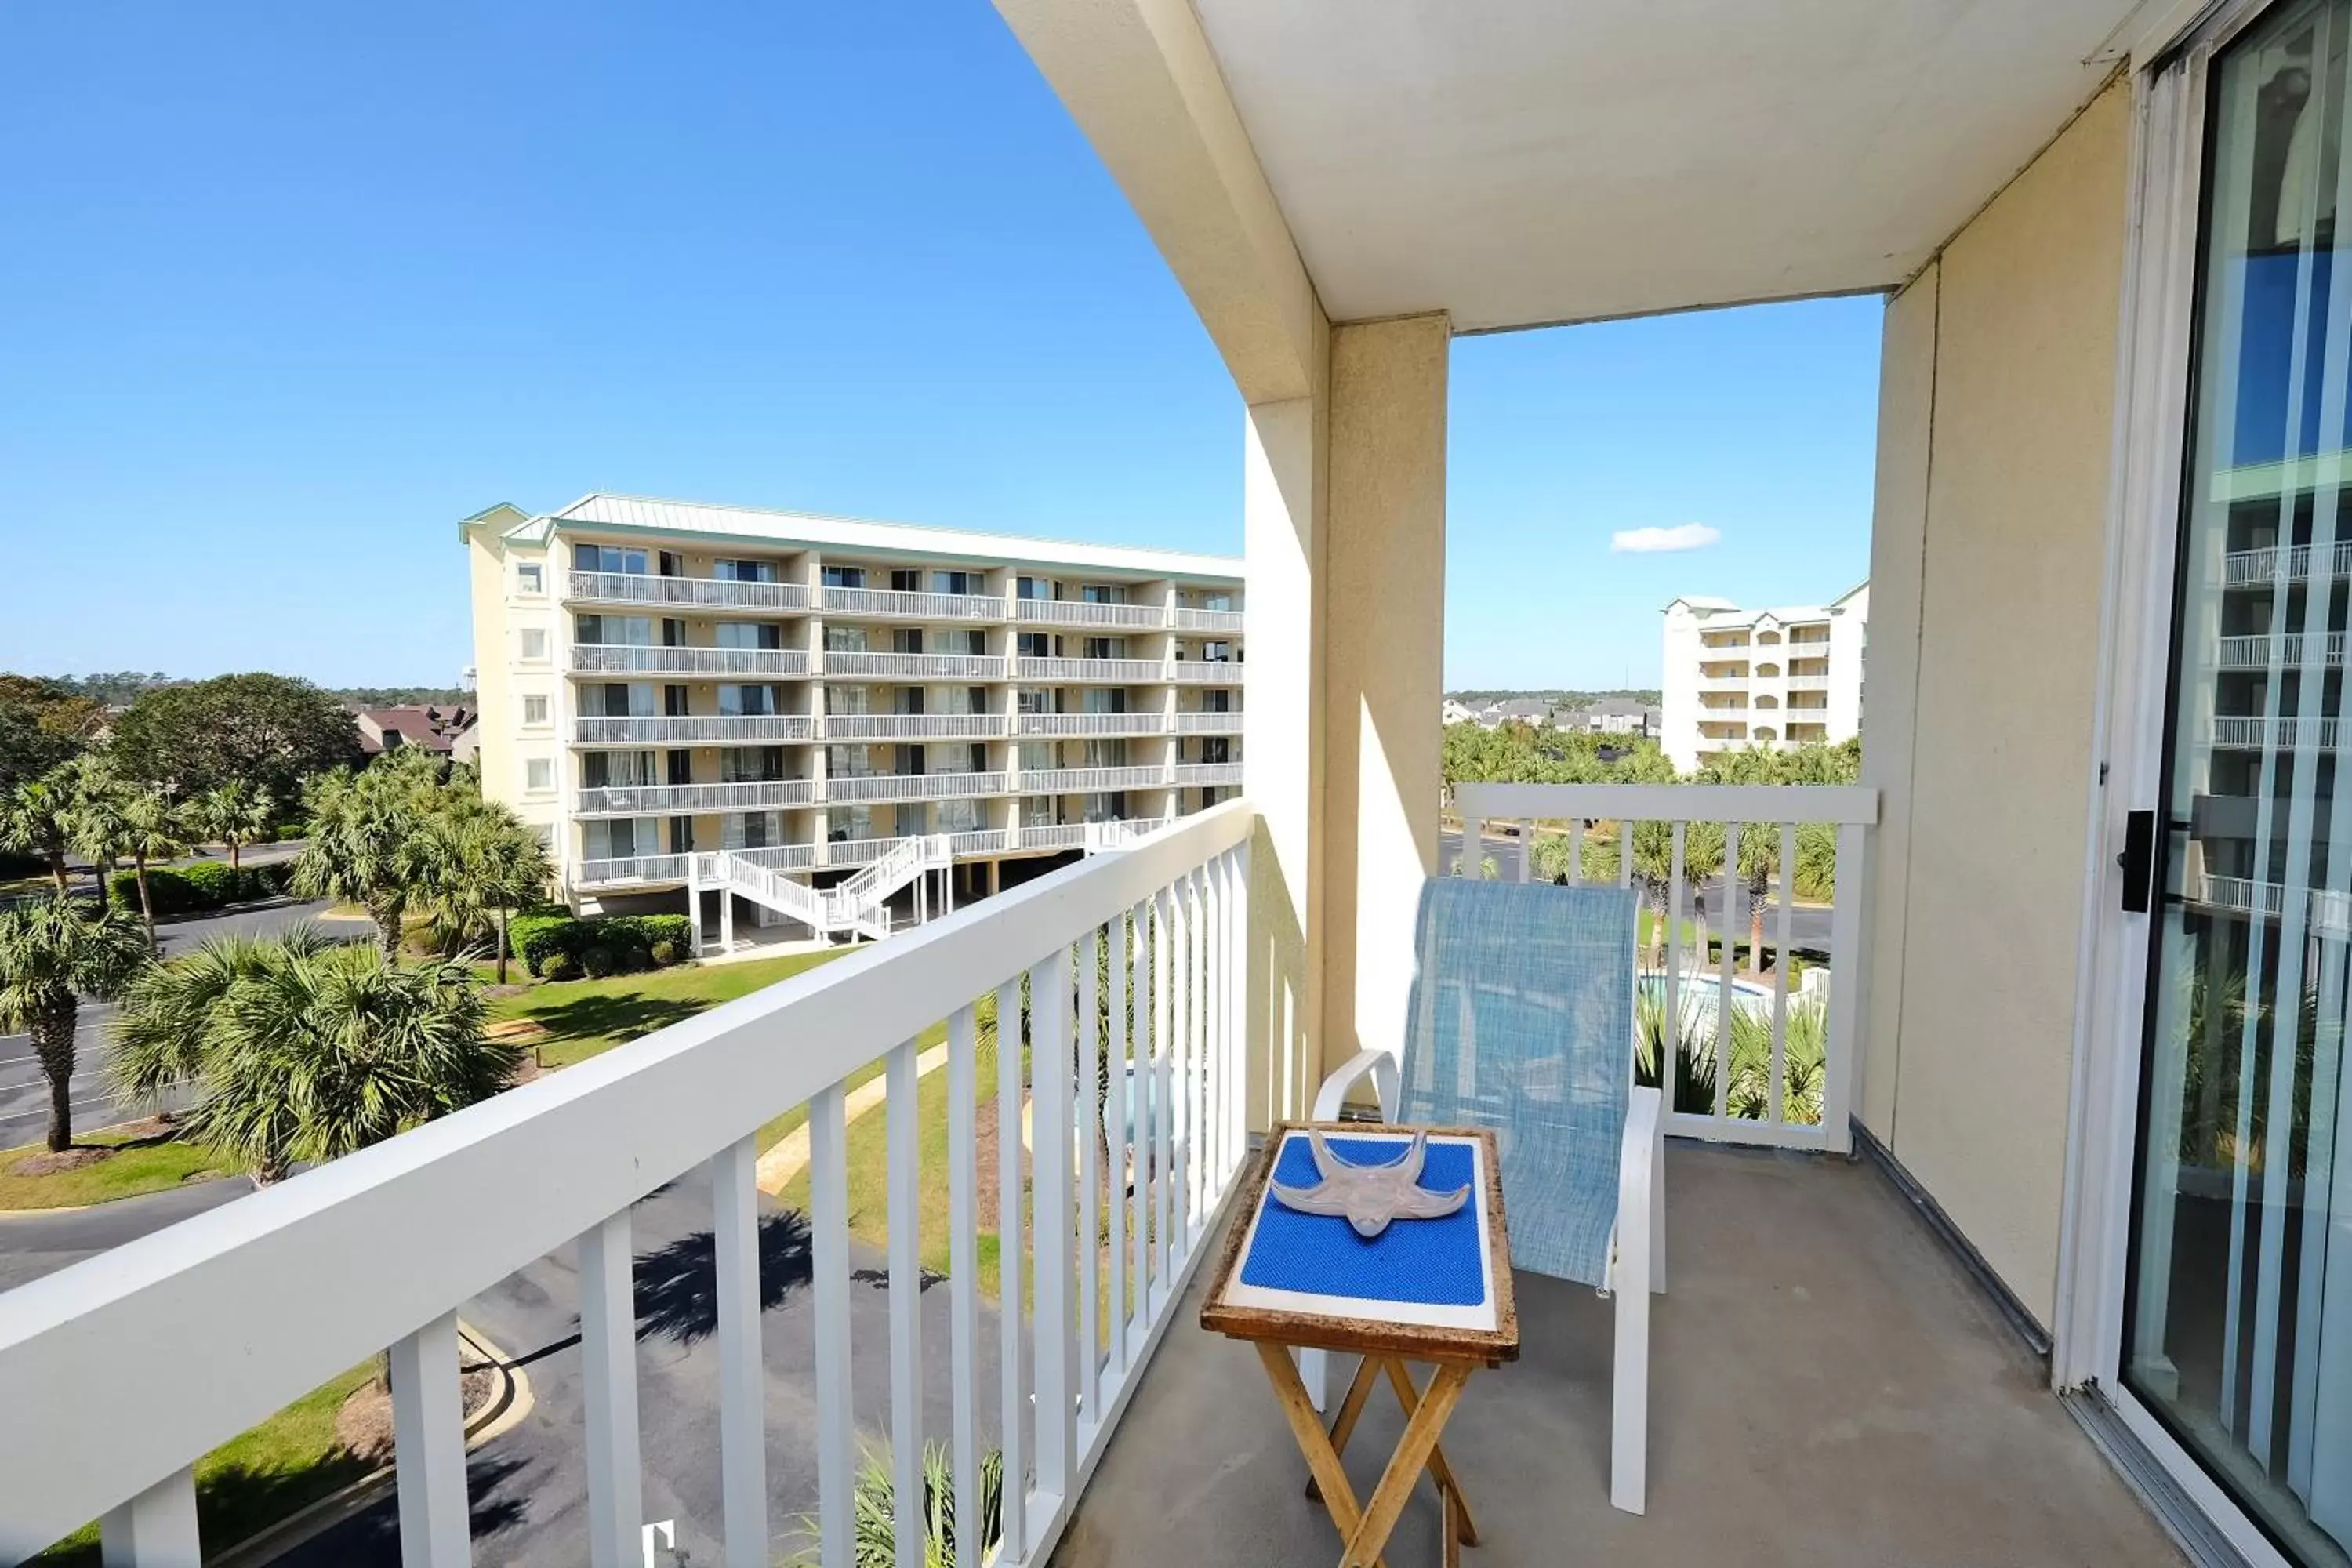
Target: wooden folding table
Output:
[(1434, 1291)]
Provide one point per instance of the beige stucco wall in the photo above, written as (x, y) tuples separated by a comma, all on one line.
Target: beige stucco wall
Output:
[(1987, 559)]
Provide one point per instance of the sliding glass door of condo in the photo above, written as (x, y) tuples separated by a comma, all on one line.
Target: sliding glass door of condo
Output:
[(2238, 1322)]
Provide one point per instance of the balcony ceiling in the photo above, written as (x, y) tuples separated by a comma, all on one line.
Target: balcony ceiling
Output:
[(1528, 162)]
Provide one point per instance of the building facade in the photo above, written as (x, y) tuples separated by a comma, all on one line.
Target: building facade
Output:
[(1777, 678), (664, 684)]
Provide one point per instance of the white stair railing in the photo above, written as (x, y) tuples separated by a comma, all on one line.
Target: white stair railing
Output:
[(142, 1360)]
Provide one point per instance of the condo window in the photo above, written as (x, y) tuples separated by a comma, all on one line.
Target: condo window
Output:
[(907, 639), (747, 634), (905, 581), (955, 583), (750, 764), (534, 709), (1106, 648), (534, 643), (633, 631), (529, 578), (1033, 587), (1035, 645), (744, 571), (845, 639), (746, 701), (538, 773), (844, 576), (607, 558), (1103, 593)]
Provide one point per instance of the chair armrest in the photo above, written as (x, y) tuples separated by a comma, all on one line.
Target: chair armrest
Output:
[(1637, 1189), (1386, 1084)]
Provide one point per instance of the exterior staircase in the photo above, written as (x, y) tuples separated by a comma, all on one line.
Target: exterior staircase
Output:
[(857, 905)]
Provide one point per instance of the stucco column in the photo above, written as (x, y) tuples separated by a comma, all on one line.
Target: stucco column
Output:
[(1384, 669)]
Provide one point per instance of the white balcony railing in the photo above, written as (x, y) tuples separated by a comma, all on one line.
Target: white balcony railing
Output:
[(695, 730), (865, 788), (2247, 568), (1090, 724), (896, 604), (1086, 781), (1765, 1098), (1054, 834), (630, 871), (2327, 913), (915, 665), (144, 1360), (640, 658), (777, 857), (656, 800), (1200, 774), (2231, 733), (1116, 671), (1806, 682), (684, 593), (913, 726), (1205, 671), (2255, 652), (1190, 620), (1085, 613), (1209, 724)]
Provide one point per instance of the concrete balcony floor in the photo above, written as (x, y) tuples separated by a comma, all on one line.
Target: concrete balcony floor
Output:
[(1828, 1387)]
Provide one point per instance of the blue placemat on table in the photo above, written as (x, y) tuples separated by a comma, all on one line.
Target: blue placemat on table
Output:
[(1430, 1262)]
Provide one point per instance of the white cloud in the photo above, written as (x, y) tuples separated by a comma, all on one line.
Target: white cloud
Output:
[(1649, 541)]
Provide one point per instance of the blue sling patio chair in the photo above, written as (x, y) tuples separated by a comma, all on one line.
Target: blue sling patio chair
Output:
[(1521, 1020)]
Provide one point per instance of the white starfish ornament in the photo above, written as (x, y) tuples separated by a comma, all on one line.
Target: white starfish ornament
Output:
[(1369, 1196)]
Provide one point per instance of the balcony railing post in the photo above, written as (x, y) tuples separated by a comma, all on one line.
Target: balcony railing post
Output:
[(1051, 1067), (428, 1425), (742, 1375), (836, 1428), (608, 1359), (157, 1529), (1845, 986)]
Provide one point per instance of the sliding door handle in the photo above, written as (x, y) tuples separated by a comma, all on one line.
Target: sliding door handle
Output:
[(2138, 861)]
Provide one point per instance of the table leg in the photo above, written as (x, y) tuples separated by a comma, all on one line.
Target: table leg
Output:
[(1307, 1425), (1449, 1489), (1343, 1424), (1412, 1455), (1457, 1526)]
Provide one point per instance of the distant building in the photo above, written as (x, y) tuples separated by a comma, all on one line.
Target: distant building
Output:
[(1452, 712), (1776, 677), (1612, 716), (435, 730)]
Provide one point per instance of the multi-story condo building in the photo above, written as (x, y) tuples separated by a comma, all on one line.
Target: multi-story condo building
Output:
[(1778, 677), (731, 709)]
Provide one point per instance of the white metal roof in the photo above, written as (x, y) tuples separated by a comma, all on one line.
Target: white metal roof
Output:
[(858, 536), (1521, 161)]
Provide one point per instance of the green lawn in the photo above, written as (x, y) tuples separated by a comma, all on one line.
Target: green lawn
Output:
[(586, 1018), (250, 1482), (144, 1165)]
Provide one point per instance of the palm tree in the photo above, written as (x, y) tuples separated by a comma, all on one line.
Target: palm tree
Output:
[(37, 819), (51, 955), (1654, 860), (472, 863), (301, 1049), (232, 816), (874, 1511), (115, 819), (361, 827)]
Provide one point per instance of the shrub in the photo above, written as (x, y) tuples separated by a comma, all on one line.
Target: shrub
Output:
[(559, 966), (600, 961), (194, 889), (627, 941), (665, 954)]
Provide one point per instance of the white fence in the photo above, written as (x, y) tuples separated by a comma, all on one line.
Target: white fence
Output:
[(692, 730), (890, 604), (139, 1362), (1682, 983), (715, 593), (1153, 723), (913, 726), (649, 658), (915, 665), (1120, 671)]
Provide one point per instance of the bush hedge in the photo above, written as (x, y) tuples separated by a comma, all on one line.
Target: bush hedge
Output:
[(600, 945), (204, 885)]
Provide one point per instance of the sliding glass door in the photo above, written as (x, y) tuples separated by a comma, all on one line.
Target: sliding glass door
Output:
[(2238, 1331)]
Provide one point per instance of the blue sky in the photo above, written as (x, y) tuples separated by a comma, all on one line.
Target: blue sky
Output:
[(291, 288)]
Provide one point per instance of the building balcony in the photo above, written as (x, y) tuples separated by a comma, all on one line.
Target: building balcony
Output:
[(1207, 722), (914, 666), (1197, 776), (1190, 620), (1080, 671), (638, 658), (1085, 724), (914, 726), (2257, 651), (865, 788), (1205, 671), (638, 588), (1085, 613), (1724, 682), (663, 799), (642, 871), (2261, 568), (1806, 682), (1088, 781), (894, 605), (695, 730), (2252, 733)]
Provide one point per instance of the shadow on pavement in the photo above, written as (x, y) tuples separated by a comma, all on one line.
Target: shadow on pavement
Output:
[(678, 1285)]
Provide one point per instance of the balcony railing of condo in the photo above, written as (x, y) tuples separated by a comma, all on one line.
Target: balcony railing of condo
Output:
[(915, 665), (1147, 724), (914, 726), (1205, 671), (1088, 613), (898, 604), (650, 800), (649, 658), (1774, 1091), (861, 788), (684, 593), (1116, 671), (1080, 780), (695, 730), (147, 1359)]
